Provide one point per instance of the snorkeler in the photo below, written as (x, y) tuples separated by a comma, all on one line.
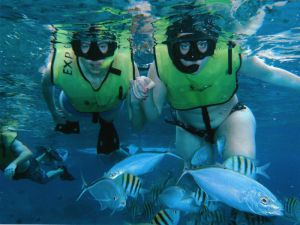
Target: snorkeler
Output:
[(17, 161), (94, 75), (196, 70)]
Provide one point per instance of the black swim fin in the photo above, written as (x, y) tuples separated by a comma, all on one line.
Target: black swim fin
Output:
[(66, 175), (108, 138), (68, 128)]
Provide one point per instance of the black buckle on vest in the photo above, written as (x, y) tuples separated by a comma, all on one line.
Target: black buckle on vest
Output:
[(115, 71)]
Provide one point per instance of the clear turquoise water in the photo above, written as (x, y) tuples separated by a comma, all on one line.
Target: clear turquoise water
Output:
[(25, 45)]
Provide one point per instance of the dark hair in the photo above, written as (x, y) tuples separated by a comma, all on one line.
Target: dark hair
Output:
[(201, 26)]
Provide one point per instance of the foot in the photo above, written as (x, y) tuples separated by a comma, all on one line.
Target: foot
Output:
[(66, 175), (53, 154)]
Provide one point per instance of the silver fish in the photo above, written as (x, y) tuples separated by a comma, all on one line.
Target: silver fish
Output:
[(237, 191), (246, 166), (202, 156), (167, 217), (109, 194), (175, 197), (138, 164)]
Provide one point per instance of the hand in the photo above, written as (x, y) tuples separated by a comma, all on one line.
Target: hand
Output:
[(141, 87), (9, 171)]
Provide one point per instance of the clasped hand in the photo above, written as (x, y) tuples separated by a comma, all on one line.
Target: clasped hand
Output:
[(141, 86)]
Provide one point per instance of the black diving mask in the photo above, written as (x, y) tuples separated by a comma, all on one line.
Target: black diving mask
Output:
[(189, 49), (94, 49)]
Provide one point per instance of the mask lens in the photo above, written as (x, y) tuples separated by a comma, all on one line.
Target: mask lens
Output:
[(103, 47), (85, 46), (184, 47), (202, 46)]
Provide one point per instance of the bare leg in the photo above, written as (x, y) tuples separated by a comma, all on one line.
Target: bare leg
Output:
[(239, 132), (54, 173), (40, 157), (188, 144)]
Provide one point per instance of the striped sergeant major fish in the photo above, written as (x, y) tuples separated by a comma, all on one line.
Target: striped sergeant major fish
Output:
[(167, 217), (131, 184), (200, 196), (157, 189), (148, 209), (145, 210), (204, 201), (243, 218), (292, 209), (246, 166), (215, 217)]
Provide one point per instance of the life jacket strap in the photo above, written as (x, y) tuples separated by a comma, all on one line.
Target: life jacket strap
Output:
[(230, 45), (115, 71), (206, 119)]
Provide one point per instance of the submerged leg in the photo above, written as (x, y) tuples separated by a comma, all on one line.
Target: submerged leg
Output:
[(239, 132)]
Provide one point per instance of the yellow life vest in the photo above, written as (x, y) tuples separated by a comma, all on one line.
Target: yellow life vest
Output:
[(67, 74), (212, 85), (6, 155)]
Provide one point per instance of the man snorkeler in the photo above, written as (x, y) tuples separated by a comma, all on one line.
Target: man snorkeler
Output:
[(94, 75)]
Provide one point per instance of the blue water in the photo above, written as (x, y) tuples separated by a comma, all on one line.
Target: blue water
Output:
[(24, 48)]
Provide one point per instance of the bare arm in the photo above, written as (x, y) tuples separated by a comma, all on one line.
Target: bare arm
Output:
[(48, 92), (153, 104), (135, 110), (22, 154), (147, 96), (21, 151), (255, 67)]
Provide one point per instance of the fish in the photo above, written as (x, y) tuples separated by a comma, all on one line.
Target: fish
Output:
[(292, 209), (175, 197), (156, 189), (252, 219), (246, 166), (220, 145), (138, 164), (215, 217), (145, 210), (127, 223), (109, 194), (204, 201), (167, 217), (202, 156), (237, 191), (200, 196), (131, 184)]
